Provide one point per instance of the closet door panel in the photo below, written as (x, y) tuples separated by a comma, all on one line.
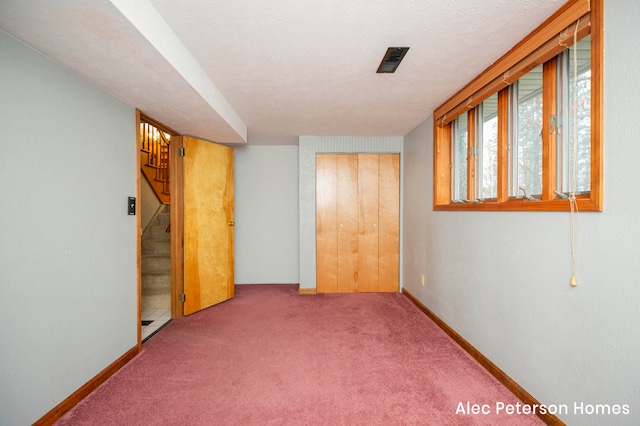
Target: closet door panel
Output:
[(347, 170), (326, 224), (389, 222), (368, 222)]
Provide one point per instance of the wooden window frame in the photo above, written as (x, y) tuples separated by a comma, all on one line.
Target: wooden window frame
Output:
[(543, 45)]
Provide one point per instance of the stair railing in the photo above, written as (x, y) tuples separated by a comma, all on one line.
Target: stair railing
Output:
[(155, 143)]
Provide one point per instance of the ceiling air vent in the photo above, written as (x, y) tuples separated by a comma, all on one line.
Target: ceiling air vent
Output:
[(392, 59)]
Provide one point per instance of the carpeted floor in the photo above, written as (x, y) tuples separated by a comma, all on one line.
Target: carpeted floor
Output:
[(273, 357)]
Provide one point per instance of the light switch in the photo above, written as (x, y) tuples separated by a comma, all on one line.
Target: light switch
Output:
[(132, 206)]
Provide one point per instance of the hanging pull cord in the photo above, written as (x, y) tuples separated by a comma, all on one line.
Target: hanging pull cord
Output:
[(573, 204)]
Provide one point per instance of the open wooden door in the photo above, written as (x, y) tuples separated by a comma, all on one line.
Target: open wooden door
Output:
[(208, 224)]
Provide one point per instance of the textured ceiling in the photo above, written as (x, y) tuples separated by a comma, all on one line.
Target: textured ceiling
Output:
[(269, 71)]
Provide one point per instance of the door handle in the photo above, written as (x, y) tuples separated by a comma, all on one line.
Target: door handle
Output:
[(232, 224)]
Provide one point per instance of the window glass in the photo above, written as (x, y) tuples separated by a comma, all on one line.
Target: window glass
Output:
[(498, 153), (527, 129), (574, 143), (460, 144), (488, 148)]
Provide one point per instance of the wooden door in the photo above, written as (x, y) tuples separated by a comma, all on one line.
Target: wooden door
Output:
[(208, 224), (326, 223), (389, 223), (347, 172), (358, 222), (368, 261)]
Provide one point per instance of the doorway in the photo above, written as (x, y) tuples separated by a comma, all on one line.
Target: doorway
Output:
[(155, 301), (194, 218)]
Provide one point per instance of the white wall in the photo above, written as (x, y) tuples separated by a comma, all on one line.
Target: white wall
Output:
[(501, 279), (149, 203), (266, 214), (67, 245)]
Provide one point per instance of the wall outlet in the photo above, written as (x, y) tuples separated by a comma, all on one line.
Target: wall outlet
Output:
[(422, 279)]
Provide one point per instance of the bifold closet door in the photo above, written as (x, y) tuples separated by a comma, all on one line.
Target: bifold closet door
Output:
[(389, 223), (347, 172), (368, 260), (336, 223), (357, 222), (326, 223)]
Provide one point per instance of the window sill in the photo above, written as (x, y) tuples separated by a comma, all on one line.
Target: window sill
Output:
[(585, 204)]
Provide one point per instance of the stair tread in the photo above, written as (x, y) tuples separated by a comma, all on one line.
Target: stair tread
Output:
[(156, 250), (166, 288), (157, 267), (157, 242), (159, 225), (156, 301), (156, 257), (156, 281), (150, 291), (155, 271)]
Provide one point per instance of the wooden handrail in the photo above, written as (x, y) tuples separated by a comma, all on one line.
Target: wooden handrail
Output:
[(154, 151)]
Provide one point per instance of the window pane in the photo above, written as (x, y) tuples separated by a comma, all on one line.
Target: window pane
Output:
[(575, 136), (527, 167), (460, 143), (488, 148)]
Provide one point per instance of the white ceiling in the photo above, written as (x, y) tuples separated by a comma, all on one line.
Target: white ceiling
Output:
[(271, 70)]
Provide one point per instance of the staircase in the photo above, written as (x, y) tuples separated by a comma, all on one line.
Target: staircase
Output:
[(156, 262), (154, 159)]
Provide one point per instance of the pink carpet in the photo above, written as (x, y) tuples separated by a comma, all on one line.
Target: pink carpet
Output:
[(273, 357)]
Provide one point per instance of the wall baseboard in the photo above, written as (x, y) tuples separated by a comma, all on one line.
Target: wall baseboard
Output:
[(307, 291), (493, 369), (71, 401)]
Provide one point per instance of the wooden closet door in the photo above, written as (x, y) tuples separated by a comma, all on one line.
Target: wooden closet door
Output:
[(389, 222), (326, 224), (357, 222), (347, 193), (368, 223)]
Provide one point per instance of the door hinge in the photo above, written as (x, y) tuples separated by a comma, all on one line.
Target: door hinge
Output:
[(181, 152), (183, 297)]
